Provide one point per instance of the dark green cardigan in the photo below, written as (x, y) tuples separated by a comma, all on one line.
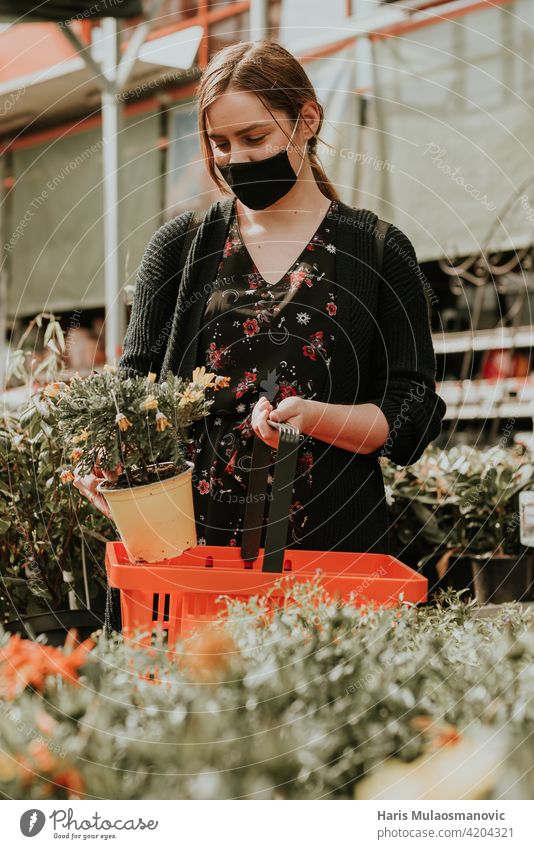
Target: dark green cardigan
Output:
[(383, 353)]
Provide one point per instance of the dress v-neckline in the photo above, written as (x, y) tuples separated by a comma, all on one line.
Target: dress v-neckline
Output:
[(294, 263)]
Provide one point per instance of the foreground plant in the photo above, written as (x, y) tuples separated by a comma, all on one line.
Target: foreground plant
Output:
[(306, 702), (129, 422)]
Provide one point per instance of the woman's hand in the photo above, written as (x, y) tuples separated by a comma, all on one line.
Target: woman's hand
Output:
[(294, 411), (87, 485)]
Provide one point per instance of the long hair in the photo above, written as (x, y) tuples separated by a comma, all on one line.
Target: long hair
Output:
[(272, 73)]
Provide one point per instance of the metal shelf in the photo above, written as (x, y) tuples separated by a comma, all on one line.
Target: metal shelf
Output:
[(512, 397), (502, 411), (481, 340)]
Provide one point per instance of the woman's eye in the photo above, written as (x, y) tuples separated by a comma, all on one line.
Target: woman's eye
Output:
[(249, 140)]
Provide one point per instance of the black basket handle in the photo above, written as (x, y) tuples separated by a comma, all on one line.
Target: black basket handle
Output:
[(284, 476)]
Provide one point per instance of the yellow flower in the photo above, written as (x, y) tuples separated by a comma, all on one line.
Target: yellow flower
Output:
[(151, 377), (202, 377), (66, 477), (76, 454), (110, 369), (81, 437), (222, 381), (190, 396), (150, 403), (51, 390), (162, 421), (122, 421)]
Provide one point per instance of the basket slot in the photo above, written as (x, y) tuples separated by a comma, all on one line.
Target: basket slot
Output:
[(156, 607), (200, 605), (166, 607)]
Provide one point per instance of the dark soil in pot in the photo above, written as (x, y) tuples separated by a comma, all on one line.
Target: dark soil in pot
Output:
[(502, 579), (459, 576), (135, 477)]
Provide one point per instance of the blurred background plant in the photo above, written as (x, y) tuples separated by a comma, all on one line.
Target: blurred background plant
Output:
[(51, 539), (457, 502)]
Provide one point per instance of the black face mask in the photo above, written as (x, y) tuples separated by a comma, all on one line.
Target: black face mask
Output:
[(261, 183)]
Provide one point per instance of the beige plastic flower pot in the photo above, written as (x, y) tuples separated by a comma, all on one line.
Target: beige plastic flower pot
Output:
[(155, 521)]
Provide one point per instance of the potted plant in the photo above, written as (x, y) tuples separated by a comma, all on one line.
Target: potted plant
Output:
[(489, 530), (141, 426), (463, 502), (423, 508)]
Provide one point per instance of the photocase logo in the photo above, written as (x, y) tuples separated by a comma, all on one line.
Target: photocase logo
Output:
[(269, 387), (32, 822)]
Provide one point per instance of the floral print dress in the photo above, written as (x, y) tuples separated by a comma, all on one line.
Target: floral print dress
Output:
[(272, 339)]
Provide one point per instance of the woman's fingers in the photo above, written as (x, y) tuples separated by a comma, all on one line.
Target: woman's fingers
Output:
[(101, 504), (260, 426), (87, 485), (113, 475), (261, 406), (110, 475), (265, 431)]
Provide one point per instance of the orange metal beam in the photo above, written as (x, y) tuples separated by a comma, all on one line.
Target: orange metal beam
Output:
[(203, 49), (412, 26), (327, 49), (204, 17)]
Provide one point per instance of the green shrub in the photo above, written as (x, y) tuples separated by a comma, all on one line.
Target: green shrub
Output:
[(462, 500), (51, 539)]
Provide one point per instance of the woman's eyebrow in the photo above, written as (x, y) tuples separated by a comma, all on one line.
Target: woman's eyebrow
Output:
[(243, 131)]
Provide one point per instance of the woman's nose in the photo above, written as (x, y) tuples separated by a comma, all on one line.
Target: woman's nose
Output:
[(235, 160), (240, 154)]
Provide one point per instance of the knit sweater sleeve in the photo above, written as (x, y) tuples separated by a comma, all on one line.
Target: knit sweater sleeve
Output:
[(403, 383), (154, 300)]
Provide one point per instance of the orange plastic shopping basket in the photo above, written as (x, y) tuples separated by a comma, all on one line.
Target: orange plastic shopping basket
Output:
[(182, 593)]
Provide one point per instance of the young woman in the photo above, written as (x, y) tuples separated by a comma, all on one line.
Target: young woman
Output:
[(279, 293)]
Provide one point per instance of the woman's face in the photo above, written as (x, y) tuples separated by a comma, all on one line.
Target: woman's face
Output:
[(241, 129)]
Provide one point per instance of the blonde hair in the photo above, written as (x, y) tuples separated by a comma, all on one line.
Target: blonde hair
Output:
[(272, 73)]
